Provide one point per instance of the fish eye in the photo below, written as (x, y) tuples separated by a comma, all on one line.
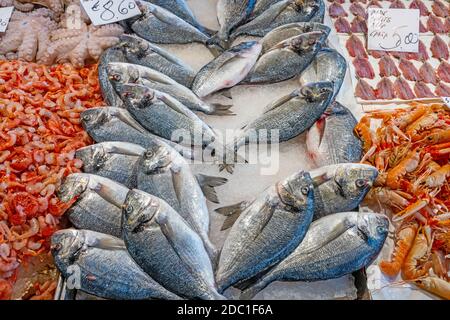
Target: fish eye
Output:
[(148, 154), (56, 247), (360, 183), (129, 209), (381, 230), (323, 90), (304, 190), (117, 77), (87, 117)]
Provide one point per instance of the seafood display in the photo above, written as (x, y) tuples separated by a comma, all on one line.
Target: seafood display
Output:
[(135, 152)]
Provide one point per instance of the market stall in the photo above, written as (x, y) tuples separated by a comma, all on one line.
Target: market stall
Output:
[(261, 150)]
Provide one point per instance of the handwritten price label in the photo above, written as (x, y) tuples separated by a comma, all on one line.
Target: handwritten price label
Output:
[(446, 101), (393, 29), (109, 11), (5, 15)]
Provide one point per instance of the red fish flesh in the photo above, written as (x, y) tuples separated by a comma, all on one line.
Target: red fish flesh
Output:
[(359, 25), (439, 48), (409, 70), (377, 54), (422, 91), (355, 47), (387, 67), (422, 28), (435, 24), (447, 25), (402, 89), (363, 68), (358, 10), (362, 1), (442, 90), (428, 74), (385, 89), (342, 25), (417, 4), (443, 71), (374, 4), (397, 4), (365, 91), (399, 54), (422, 55), (336, 10), (440, 9)]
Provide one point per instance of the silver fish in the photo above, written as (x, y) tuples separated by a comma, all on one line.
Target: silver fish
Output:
[(103, 266), (281, 13), (166, 248), (261, 6), (290, 30), (334, 246), (328, 65), (114, 160), (116, 124), (331, 139), (98, 202), (140, 51), (287, 59), (165, 174), (182, 10), (231, 14), (227, 70), (120, 73), (113, 54), (344, 187), (159, 25), (164, 116), (267, 231)]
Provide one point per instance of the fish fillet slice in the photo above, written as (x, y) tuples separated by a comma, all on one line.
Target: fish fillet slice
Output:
[(342, 25), (443, 71), (439, 48), (422, 91), (402, 89), (387, 67), (417, 4), (409, 70), (359, 25), (428, 74), (385, 89), (442, 90), (365, 91), (397, 4), (435, 25), (422, 55), (355, 47), (358, 10), (440, 9), (336, 10), (363, 68)]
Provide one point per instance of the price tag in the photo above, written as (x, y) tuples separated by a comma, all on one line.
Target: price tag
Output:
[(5, 15), (393, 29), (446, 101), (109, 11)]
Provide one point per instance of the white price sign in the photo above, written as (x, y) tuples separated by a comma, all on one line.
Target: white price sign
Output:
[(5, 15), (446, 101), (109, 11), (393, 29)]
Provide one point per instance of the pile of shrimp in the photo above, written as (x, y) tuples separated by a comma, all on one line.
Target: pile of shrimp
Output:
[(411, 149), (39, 133)]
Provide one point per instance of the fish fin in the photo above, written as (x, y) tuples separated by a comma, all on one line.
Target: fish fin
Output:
[(105, 192), (320, 179), (228, 167), (266, 212), (232, 213), (225, 93), (110, 243), (281, 101), (125, 151), (243, 285), (129, 120), (207, 184), (176, 182), (229, 221), (173, 105), (335, 233), (220, 109)]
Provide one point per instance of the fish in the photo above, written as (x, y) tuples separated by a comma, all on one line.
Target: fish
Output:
[(267, 230), (355, 47), (231, 14), (116, 124), (287, 59), (115, 160), (443, 71), (440, 9), (227, 70), (105, 268), (385, 89), (261, 6), (387, 67), (364, 90), (290, 115), (334, 246), (181, 9), (422, 91), (363, 68), (159, 25), (163, 173), (139, 51), (331, 140), (345, 186), (435, 25), (409, 71), (112, 54), (342, 25), (422, 28), (290, 30), (403, 90), (328, 65), (164, 116), (336, 10), (359, 25), (98, 202), (120, 73), (418, 4), (358, 10), (428, 74), (166, 248), (281, 13)]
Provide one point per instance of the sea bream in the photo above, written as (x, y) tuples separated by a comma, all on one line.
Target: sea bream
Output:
[(139, 51), (159, 25), (166, 248), (331, 139), (120, 73), (290, 30), (116, 124), (162, 172), (227, 70), (261, 6), (105, 268), (114, 160), (281, 13), (112, 54), (98, 202), (287, 59), (334, 246), (267, 231)]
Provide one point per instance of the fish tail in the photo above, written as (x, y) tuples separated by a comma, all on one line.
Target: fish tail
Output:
[(220, 109), (252, 291)]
